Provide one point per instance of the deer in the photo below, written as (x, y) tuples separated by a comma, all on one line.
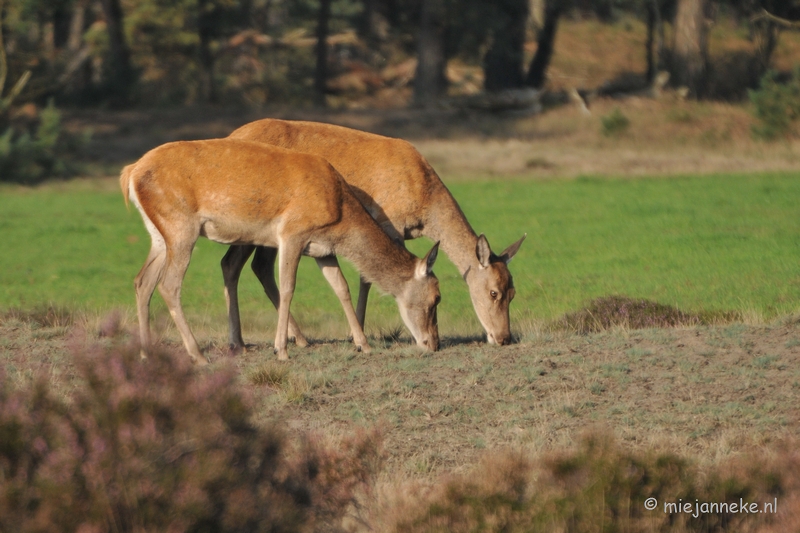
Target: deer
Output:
[(405, 196), (239, 192)]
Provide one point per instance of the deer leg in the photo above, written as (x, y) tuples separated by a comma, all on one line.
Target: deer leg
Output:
[(144, 284), (288, 259), (361, 306), (330, 269), (232, 264), (170, 289), (264, 268)]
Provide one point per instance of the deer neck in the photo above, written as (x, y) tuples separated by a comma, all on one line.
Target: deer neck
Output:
[(448, 225), (377, 257)]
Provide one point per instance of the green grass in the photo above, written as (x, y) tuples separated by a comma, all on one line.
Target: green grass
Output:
[(699, 243)]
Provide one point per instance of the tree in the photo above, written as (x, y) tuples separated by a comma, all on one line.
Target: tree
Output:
[(502, 64), (690, 53), (430, 80), (544, 51), (121, 74), (321, 50)]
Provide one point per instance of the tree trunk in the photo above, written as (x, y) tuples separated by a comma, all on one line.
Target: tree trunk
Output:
[(430, 80), (537, 72), (205, 31), (61, 26), (690, 55), (502, 64), (121, 74), (655, 44), (765, 37), (321, 69)]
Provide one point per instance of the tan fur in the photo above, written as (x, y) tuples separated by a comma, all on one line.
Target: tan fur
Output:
[(406, 197), (246, 193)]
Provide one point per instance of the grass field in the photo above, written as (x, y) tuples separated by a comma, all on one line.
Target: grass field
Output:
[(721, 242)]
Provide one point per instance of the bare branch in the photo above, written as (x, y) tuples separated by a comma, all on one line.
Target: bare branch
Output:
[(766, 15)]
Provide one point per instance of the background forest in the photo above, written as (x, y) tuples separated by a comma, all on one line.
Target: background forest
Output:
[(333, 52)]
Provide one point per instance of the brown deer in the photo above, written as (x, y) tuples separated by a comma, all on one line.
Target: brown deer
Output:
[(240, 192), (404, 194)]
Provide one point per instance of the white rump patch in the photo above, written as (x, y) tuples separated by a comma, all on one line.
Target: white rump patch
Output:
[(155, 235)]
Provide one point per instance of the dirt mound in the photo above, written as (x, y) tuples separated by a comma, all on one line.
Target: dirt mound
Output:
[(622, 311)]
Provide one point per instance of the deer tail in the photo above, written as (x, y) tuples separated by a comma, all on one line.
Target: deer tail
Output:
[(124, 182)]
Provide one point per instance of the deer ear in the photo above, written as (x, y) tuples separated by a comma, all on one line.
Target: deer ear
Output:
[(483, 251), (425, 267), (511, 251)]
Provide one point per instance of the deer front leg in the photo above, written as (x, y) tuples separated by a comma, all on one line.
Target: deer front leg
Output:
[(264, 268), (288, 258), (232, 264), (333, 273)]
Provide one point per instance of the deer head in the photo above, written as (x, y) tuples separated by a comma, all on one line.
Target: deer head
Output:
[(491, 289), (418, 301)]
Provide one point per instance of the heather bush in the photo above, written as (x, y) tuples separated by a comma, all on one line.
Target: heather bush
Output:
[(158, 446), (599, 487)]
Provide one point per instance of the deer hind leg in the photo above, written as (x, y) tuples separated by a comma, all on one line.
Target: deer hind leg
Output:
[(170, 289), (288, 258), (330, 269), (144, 284), (264, 268), (232, 264), (361, 307)]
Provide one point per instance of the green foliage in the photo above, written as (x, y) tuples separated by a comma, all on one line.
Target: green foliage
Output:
[(776, 105), (29, 159), (615, 123)]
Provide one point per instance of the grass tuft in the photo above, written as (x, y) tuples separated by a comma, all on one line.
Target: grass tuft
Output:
[(50, 316), (272, 374)]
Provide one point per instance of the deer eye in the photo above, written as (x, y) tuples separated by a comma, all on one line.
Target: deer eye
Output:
[(493, 294), (437, 300)]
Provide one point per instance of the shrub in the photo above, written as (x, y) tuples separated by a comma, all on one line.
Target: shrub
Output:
[(31, 157), (157, 446), (776, 105), (600, 487), (615, 123)]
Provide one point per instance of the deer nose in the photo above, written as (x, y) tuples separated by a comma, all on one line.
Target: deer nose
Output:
[(431, 344)]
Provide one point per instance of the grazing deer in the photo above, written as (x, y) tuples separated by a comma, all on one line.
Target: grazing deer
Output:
[(405, 196), (240, 192)]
